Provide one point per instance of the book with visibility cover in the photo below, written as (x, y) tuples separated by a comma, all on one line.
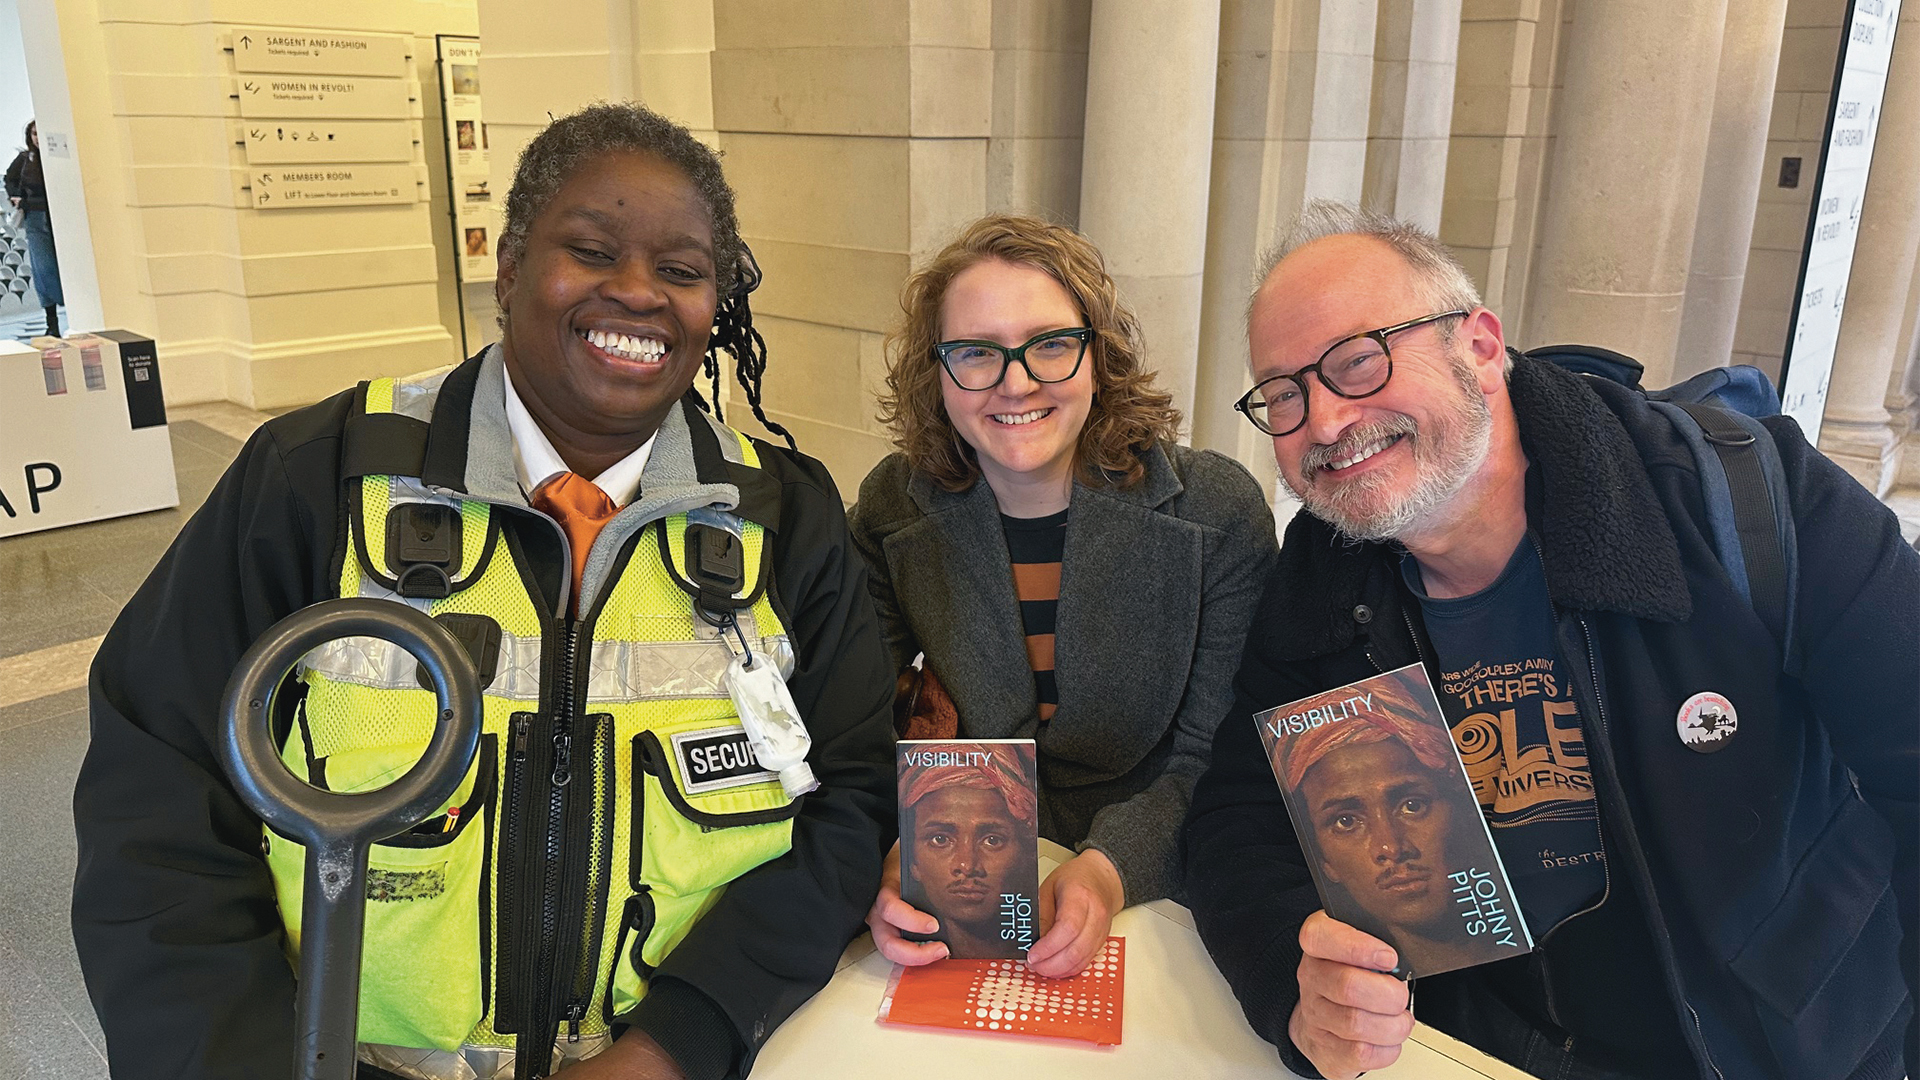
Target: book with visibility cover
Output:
[(1389, 825), (969, 843)]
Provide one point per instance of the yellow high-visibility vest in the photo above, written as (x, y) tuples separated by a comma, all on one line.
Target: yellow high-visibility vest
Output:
[(614, 796)]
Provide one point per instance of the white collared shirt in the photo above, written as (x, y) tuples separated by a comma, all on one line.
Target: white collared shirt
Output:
[(536, 461)]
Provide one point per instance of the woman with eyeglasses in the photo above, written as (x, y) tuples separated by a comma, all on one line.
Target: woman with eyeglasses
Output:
[(1069, 571)]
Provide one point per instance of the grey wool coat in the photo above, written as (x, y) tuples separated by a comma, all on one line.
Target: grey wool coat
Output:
[(1157, 587)]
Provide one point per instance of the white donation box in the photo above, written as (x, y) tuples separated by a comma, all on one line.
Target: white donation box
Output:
[(83, 431)]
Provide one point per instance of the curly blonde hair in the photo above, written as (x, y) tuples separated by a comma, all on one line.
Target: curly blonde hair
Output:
[(1128, 416)]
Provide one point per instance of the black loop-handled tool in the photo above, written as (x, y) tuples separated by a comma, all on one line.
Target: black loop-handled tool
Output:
[(338, 829)]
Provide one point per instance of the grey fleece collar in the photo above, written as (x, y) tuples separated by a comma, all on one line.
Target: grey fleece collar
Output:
[(490, 472)]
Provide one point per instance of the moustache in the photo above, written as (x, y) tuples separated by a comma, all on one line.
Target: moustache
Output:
[(1364, 435), (1401, 871)]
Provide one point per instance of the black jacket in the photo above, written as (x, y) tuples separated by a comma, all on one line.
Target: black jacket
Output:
[(25, 182), (1782, 909), (173, 910)]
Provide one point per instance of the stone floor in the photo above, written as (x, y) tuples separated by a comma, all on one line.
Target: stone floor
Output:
[(59, 591)]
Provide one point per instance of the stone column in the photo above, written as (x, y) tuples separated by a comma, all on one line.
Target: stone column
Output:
[(1624, 186), (1504, 84), (1039, 106), (1145, 164), (673, 61), (1730, 187), (1903, 394), (1802, 92), (856, 136), (1290, 125), (1415, 45), (87, 172), (1857, 431)]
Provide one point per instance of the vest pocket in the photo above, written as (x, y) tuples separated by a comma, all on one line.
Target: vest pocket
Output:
[(631, 971), (427, 903), (698, 835)]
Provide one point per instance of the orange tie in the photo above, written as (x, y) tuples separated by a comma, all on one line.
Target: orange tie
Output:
[(581, 508)]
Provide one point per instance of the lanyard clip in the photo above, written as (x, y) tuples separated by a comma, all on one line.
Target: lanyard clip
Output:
[(729, 621)]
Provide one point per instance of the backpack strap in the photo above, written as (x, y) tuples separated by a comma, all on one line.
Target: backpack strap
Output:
[(1743, 484), (1591, 360)]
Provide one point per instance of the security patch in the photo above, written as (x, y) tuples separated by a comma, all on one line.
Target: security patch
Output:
[(713, 759)]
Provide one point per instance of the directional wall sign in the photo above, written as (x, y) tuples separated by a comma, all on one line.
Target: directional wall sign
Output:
[(1839, 193), (332, 185), (282, 96), (296, 142), (317, 52)]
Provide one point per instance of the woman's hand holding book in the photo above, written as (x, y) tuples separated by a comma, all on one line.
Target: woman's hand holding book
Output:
[(1077, 904), (890, 915)]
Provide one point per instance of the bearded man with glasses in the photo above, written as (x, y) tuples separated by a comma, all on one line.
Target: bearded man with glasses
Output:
[(1736, 907)]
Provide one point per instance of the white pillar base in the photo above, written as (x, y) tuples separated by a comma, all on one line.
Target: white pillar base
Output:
[(1868, 449), (1908, 458)]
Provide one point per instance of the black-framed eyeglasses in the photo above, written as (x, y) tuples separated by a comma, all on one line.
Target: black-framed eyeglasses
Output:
[(1050, 357), (1354, 367)]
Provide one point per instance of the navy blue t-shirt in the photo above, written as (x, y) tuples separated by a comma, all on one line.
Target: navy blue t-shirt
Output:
[(1504, 690), (1595, 986)]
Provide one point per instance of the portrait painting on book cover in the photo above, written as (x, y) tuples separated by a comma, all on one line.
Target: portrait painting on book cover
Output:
[(969, 838), (1389, 824)]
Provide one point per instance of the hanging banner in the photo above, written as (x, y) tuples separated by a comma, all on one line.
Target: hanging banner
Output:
[(468, 167), (1839, 193)]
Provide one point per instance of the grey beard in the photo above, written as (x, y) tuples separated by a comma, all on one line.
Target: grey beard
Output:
[(1437, 480)]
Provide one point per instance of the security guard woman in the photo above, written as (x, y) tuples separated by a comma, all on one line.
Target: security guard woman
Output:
[(620, 887)]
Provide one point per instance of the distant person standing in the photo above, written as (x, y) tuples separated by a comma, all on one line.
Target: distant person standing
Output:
[(27, 190)]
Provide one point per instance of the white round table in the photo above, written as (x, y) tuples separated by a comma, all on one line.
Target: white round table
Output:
[(1180, 1021)]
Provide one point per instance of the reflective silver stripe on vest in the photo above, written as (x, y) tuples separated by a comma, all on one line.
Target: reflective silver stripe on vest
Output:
[(471, 1062), (415, 395), (619, 671), (670, 670), (406, 489)]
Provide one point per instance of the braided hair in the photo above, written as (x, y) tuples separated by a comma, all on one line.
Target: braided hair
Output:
[(571, 142), (733, 331)]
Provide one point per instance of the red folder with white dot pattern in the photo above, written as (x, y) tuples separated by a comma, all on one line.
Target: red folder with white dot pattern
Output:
[(1001, 997)]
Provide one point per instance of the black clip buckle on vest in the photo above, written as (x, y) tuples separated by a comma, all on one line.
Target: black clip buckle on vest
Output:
[(423, 544), (716, 567)]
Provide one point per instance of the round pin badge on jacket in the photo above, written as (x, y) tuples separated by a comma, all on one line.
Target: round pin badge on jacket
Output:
[(1707, 722)]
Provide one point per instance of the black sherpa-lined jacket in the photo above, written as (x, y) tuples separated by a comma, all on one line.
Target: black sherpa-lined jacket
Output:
[(1778, 876)]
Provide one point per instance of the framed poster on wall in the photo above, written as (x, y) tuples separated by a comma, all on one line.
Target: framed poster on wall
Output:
[(474, 220)]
